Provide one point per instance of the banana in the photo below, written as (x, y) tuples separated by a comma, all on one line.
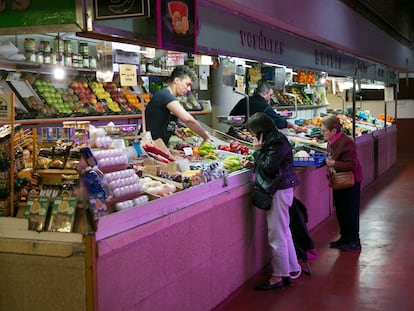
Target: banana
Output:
[(122, 7)]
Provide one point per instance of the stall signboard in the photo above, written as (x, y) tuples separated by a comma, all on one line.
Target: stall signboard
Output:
[(229, 34), (108, 9), (177, 25), (31, 16)]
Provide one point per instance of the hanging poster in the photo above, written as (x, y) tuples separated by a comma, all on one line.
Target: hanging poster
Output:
[(177, 21), (106, 9)]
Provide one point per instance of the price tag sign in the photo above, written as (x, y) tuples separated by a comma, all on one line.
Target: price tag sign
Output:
[(188, 151), (389, 94), (128, 74), (5, 106)]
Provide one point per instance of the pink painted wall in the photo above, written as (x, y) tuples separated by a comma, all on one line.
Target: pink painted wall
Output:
[(190, 260)]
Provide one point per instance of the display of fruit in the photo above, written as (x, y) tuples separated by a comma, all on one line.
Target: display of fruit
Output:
[(35, 104), (72, 100), (242, 134), (301, 96), (307, 77), (86, 96), (235, 147), (103, 98), (232, 164), (118, 96), (51, 96), (133, 100)]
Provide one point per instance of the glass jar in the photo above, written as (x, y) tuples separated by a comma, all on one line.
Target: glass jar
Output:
[(29, 45)]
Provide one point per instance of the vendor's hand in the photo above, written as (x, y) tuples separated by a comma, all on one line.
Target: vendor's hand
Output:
[(298, 128), (181, 133)]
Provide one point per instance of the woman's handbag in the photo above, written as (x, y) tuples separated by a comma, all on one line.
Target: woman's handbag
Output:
[(341, 180), (262, 199)]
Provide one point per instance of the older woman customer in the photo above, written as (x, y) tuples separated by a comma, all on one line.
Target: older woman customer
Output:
[(343, 157)]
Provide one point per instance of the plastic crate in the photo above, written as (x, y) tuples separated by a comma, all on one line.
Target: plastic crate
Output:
[(316, 159)]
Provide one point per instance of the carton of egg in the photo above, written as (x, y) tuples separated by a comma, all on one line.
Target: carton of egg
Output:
[(123, 182), (110, 157), (141, 200)]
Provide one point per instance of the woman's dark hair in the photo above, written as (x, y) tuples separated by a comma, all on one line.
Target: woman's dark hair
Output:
[(183, 72), (331, 122), (260, 123)]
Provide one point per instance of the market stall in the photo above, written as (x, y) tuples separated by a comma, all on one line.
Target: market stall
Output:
[(175, 250)]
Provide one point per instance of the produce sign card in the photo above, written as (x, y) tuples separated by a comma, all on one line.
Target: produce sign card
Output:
[(36, 211), (63, 214)]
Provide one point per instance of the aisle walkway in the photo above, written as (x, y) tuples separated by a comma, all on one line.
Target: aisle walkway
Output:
[(380, 277)]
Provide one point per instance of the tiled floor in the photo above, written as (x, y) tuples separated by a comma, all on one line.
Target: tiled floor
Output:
[(380, 277)]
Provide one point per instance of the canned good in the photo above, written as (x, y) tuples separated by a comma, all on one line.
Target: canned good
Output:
[(29, 45), (76, 61), (83, 49), (85, 62), (92, 62), (59, 47), (67, 46), (44, 47), (67, 60), (30, 56), (46, 58), (53, 59), (39, 58)]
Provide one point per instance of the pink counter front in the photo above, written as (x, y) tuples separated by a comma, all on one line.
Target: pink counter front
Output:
[(191, 250), (197, 247)]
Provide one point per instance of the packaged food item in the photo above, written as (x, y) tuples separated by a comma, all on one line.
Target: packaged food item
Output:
[(36, 211), (63, 214), (73, 159), (44, 158), (58, 158), (98, 205)]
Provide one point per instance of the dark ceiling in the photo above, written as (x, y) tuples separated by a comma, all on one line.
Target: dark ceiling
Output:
[(395, 17)]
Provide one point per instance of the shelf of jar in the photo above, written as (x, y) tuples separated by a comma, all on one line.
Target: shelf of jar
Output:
[(41, 68)]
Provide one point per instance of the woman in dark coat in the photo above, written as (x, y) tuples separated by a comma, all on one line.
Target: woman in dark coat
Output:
[(274, 171)]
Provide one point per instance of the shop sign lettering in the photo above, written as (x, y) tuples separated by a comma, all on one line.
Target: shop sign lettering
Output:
[(327, 59), (261, 42), (381, 73), (16, 5), (362, 67), (393, 75)]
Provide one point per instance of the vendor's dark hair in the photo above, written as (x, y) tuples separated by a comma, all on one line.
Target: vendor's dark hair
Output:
[(332, 122), (260, 123), (183, 72)]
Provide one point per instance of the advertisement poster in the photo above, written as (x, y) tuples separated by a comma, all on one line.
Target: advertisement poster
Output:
[(177, 21), (107, 9)]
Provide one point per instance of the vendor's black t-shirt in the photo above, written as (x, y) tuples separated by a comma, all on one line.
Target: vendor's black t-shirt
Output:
[(157, 115)]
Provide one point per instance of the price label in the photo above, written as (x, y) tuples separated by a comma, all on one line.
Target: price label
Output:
[(128, 74)]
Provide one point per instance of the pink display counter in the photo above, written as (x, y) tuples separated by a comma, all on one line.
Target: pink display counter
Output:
[(387, 148), (193, 249), (366, 156)]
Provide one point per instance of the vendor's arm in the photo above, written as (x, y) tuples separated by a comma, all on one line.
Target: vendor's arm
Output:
[(281, 122), (178, 110)]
